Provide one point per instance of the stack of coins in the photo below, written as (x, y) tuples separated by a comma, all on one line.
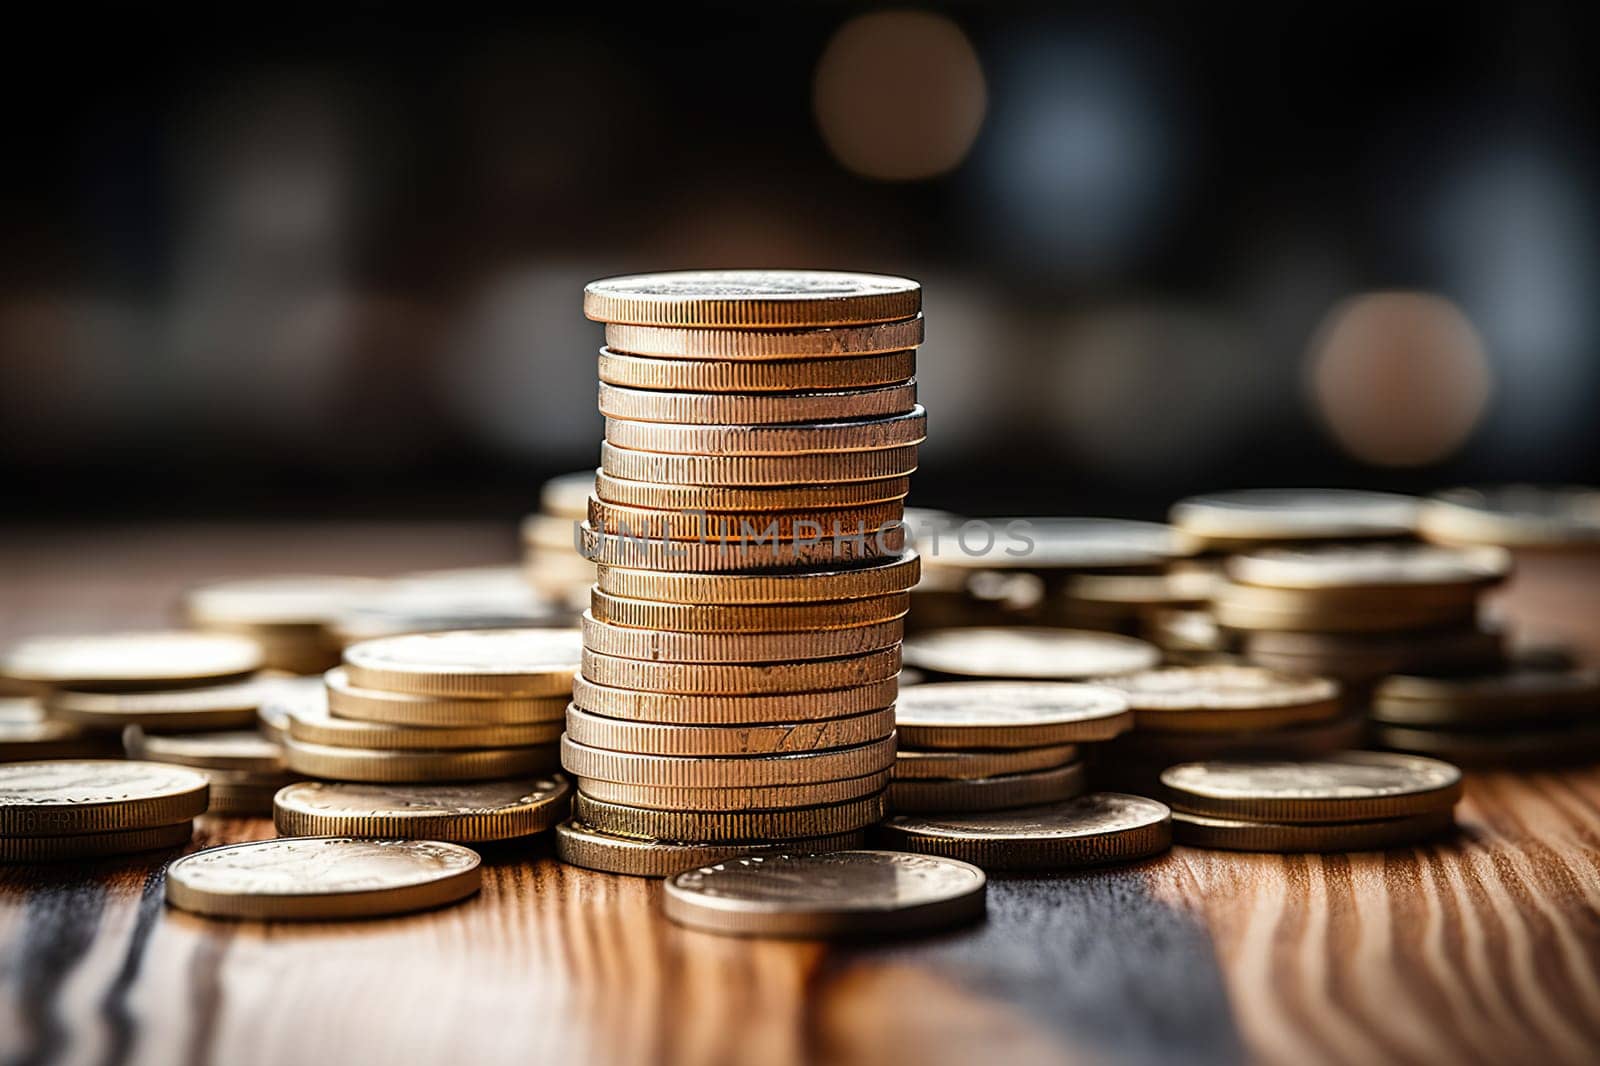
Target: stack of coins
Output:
[(28, 734), (79, 809), (463, 705), (1350, 801), (429, 601), (983, 746), (742, 642), (289, 616), (1188, 713), (167, 682), (1515, 717), (553, 561), (245, 766)]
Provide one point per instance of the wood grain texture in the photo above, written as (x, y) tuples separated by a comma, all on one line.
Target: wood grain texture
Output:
[(1483, 948)]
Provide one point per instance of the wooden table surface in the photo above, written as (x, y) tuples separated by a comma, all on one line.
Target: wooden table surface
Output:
[(1485, 948)]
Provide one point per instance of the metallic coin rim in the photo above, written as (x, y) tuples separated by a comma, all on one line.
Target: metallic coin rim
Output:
[(758, 471), (747, 798), (881, 577), (610, 300), (579, 845), (803, 404), (721, 709), (375, 767), (658, 738), (782, 440), (645, 823), (828, 342), (95, 845), (145, 811), (475, 826), (1127, 844), (1194, 798), (667, 646), (765, 679), (1201, 831), (756, 376), (927, 795)]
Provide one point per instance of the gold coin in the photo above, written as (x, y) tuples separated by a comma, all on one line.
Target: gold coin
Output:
[(967, 715), (880, 578), (1355, 657), (310, 720), (1030, 653), (1565, 744), (113, 662), (229, 800), (26, 735), (345, 700), (989, 793), (1414, 567), (718, 470), (1200, 831), (647, 494), (752, 299), (747, 618), (1091, 830), (460, 814), (322, 877), (713, 709), (660, 645), (643, 823), (747, 376), (1295, 514), (1351, 786), (754, 527), (479, 597), (857, 435), (68, 796), (230, 706), (234, 749), (968, 765), (384, 767), (754, 345), (289, 616), (567, 496), (832, 549), (1244, 607), (756, 408), (1516, 516), (469, 662), (746, 799), (653, 738), (748, 679), (94, 845), (581, 845), (1223, 697), (1048, 545), (679, 771), (841, 893)]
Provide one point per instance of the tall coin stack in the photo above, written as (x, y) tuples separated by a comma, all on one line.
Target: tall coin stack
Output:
[(743, 639)]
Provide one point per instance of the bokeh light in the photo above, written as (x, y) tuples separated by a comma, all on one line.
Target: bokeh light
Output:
[(899, 95), (1399, 378)]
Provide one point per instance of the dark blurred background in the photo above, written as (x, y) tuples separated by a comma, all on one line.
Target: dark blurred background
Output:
[(307, 260)]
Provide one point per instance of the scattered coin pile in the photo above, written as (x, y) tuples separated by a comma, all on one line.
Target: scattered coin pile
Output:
[(981, 746), (80, 809), (553, 562), (1352, 801), (464, 705), (288, 616), (743, 636), (1188, 713), (245, 766)]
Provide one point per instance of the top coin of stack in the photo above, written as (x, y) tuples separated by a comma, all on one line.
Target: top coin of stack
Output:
[(743, 636), (552, 562), (289, 616)]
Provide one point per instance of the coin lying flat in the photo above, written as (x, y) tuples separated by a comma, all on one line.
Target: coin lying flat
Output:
[(374, 766), (1201, 831), (748, 497), (1564, 744), (841, 893), (460, 813), (1224, 697), (756, 408), (746, 799), (27, 734), (481, 663), (229, 706), (57, 797), (754, 345), (680, 771), (402, 709), (1519, 516), (237, 749), (308, 718), (581, 845), (94, 845), (756, 376), (289, 615), (1295, 514), (322, 877), (1310, 740), (653, 738), (751, 298), (1522, 689), (1363, 657), (1026, 652), (879, 578), (718, 709), (1098, 828), (1347, 787), (815, 675), (967, 765), (989, 793), (975, 714), (1413, 567), (1242, 607), (668, 646), (646, 823), (1044, 545), (122, 661)]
